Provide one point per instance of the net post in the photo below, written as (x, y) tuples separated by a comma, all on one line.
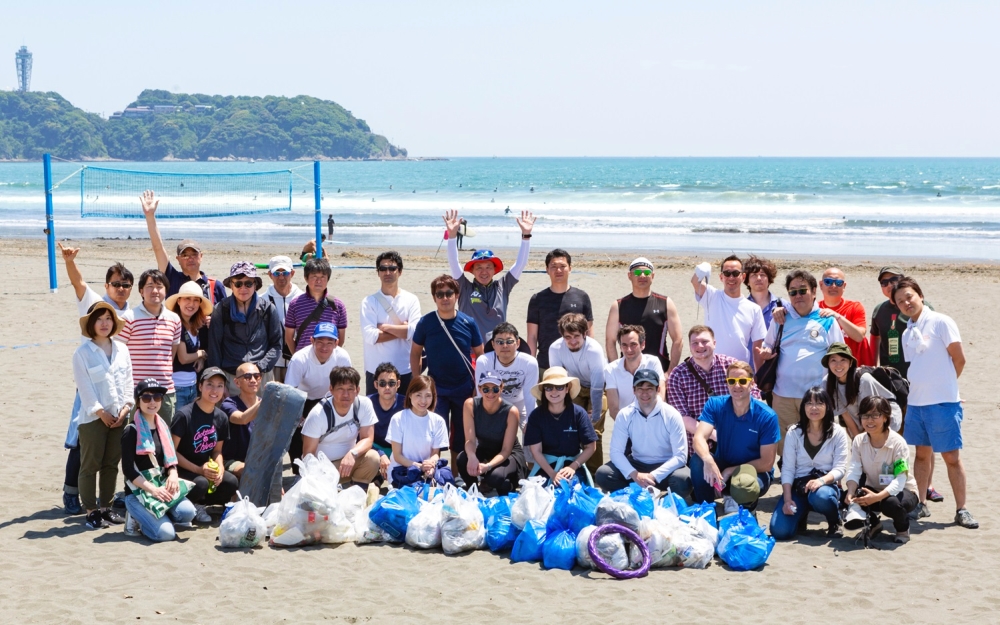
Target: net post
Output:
[(50, 233), (319, 210)]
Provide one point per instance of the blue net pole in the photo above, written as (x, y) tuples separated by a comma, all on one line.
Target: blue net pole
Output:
[(319, 210), (50, 231)]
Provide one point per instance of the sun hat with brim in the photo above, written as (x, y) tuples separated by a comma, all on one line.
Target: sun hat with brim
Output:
[(119, 322), (190, 289), (556, 376), (838, 349), (245, 269), (482, 255), (743, 485)]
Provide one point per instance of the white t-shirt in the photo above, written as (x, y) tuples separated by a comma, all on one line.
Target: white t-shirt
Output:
[(417, 435), (281, 303), (617, 377), (397, 351), (736, 321), (932, 371), (306, 373), (337, 444), (519, 375)]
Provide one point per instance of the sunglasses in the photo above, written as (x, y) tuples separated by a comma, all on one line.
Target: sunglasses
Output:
[(121, 285), (553, 387), (243, 284), (794, 292), (385, 383), (250, 376), (388, 269), (148, 397), (642, 272), (888, 281), (833, 282), (731, 273), (489, 389), (444, 294), (281, 273), (504, 341), (740, 381)]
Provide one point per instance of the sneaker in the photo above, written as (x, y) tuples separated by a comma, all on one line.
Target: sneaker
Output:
[(118, 502), (112, 517), (835, 531), (202, 516), (729, 506), (901, 538), (95, 521), (965, 519), (131, 525), (71, 504), (920, 512), (933, 495)]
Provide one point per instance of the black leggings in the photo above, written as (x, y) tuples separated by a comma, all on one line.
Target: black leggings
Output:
[(896, 508), (72, 479), (503, 478), (199, 493)]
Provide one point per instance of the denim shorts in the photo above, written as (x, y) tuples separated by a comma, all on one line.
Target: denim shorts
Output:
[(938, 426)]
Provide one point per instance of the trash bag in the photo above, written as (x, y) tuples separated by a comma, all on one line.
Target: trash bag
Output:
[(694, 551), (743, 545), (610, 511), (500, 530), (641, 499), (559, 551), (534, 502), (462, 527), (611, 548), (659, 538), (352, 501), (243, 526), (271, 516), (307, 508), (673, 502), (530, 543), (424, 531), (573, 507), (367, 532), (394, 512), (704, 510)]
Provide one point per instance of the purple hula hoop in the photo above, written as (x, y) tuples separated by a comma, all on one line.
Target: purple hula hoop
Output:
[(628, 535)]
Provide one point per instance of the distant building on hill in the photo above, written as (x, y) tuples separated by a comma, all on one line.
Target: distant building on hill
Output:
[(160, 109), (23, 61)]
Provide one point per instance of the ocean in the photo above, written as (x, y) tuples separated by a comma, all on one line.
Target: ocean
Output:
[(947, 208)]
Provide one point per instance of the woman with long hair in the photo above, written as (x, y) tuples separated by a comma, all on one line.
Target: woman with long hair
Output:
[(194, 309), (847, 385)]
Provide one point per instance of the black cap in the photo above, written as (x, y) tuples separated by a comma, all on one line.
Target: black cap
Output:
[(645, 375), (212, 372), (149, 385)]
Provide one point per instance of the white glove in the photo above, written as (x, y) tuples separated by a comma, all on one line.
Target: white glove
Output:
[(703, 271)]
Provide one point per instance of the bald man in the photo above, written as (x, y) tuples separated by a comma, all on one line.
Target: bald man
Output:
[(850, 315), (241, 410)]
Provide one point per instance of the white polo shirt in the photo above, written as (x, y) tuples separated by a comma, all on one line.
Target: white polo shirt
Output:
[(306, 373), (617, 377)]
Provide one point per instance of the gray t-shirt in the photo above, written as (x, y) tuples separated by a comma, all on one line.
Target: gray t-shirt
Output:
[(486, 305), (867, 387)]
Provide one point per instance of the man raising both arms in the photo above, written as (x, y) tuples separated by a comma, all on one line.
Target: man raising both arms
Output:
[(654, 312)]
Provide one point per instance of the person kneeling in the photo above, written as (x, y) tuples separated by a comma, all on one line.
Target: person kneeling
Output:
[(342, 426), (816, 453), (659, 443), (199, 431)]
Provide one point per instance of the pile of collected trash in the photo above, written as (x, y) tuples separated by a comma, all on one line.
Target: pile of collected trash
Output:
[(557, 526)]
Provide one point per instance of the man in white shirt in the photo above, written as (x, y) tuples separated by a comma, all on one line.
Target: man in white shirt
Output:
[(281, 293), (583, 358), (519, 371), (618, 375), (738, 323), (388, 318), (659, 445), (309, 369), (342, 426)]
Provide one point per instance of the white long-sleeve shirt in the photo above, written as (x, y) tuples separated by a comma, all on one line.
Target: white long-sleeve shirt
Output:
[(586, 365), (831, 458), (102, 382), (406, 307), (656, 438)]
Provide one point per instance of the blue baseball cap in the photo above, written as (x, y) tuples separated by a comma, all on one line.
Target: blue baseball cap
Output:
[(325, 330)]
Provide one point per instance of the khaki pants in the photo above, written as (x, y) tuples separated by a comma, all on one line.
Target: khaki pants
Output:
[(279, 374), (788, 415), (100, 454), (167, 408), (365, 468), (596, 461)]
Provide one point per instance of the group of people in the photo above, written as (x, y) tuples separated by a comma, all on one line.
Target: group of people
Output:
[(169, 388)]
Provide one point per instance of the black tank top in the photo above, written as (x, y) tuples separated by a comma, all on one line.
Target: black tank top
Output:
[(650, 313), (491, 428)]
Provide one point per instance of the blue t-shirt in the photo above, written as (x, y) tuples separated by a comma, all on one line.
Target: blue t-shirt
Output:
[(564, 436), (740, 438), (238, 445), (384, 417), (444, 362)]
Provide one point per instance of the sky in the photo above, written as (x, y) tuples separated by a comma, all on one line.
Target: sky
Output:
[(625, 78)]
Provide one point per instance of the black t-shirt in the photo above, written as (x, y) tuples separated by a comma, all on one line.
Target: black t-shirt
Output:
[(881, 322), (545, 308), (238, 445), (199, 432), (384, 417), (564, 436)]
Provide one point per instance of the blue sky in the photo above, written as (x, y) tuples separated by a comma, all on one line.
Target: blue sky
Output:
[(555, 78)]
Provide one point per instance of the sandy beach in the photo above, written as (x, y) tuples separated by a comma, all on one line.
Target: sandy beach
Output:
[(57, 571)]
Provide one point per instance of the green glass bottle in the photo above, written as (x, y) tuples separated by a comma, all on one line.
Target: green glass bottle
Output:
[(893, 336)]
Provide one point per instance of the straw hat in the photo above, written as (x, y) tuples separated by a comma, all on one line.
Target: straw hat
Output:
[(556, 376), (190, 289), (119, 322)]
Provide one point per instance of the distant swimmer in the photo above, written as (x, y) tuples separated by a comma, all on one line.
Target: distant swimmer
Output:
[(390, 187), (182, 184), (532, 189), (507, 211), (494, 189), (338, 190), (460, 185), (373, 199), (939, 194), (414, 190)]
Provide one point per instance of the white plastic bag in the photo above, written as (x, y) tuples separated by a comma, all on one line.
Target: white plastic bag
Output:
[(271, 516), (534, 502), (352, 501), (610, 546), (462, 525), (309, 505), (367, 532), (424, 531), (659, 539), (243, 526)]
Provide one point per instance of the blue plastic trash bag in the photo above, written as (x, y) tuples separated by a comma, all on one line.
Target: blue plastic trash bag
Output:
[(500, 530), (705, 510), (574, 508), (559, 551), (529, 544), (743, 545), (394, 512), (637, 497)]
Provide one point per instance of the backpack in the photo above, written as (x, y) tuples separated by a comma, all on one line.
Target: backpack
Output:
[(893, 380), (327, 404)]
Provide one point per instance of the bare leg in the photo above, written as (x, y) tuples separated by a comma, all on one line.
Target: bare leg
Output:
[(956, 475), (922, 470)]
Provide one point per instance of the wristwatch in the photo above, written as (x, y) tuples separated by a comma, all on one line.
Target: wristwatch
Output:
[(354, 453)]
